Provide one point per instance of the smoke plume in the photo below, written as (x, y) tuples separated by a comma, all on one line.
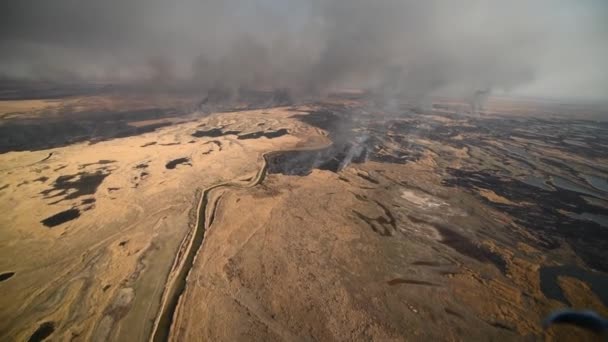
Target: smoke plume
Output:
[(404, 48)]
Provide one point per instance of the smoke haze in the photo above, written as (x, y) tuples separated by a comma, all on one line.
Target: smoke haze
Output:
[(397, 47)]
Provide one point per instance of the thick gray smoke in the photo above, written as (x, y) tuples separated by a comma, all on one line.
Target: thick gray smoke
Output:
[(405, 48)]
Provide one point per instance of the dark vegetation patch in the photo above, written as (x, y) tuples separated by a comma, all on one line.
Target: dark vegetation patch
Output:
[(269, 134), (6, 275), (73, 186), (173, 164), (61, 217), (44, 330), (398, 281)]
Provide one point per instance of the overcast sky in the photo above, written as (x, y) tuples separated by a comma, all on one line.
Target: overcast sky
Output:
[(550, 48)]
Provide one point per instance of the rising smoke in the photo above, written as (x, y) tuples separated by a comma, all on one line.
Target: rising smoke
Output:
[(404, 48)]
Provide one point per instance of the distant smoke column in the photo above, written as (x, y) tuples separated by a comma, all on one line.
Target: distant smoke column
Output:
[(478, 100), (356, 149)]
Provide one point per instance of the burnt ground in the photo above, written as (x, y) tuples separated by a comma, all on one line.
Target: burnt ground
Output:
[(44, 330), (61, 217), (179, 161), (49, 131), (6, 276), (68, 187), (38, 134), (547, 173), (19, 90), (357, 137)]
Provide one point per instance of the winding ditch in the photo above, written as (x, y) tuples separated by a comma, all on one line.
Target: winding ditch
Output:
[(177, 279)]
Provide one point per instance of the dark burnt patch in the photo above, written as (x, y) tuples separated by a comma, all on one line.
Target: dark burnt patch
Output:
[(61, 217), (549, 284), (383, 225), (226, 100), (73, 186), (32, 90), (376, 224), (500, 325), (213, 133), (427, 263), (47, 157), (44, 330), (546, 219), (297, 163), (367, 178), (301, 163), (465, 246), (101, 162), (179, 161), (6, 276), (38, 134), (365, 135), (453, 313), (268, 134), (217, 143), (332, 119), (398, 281)]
